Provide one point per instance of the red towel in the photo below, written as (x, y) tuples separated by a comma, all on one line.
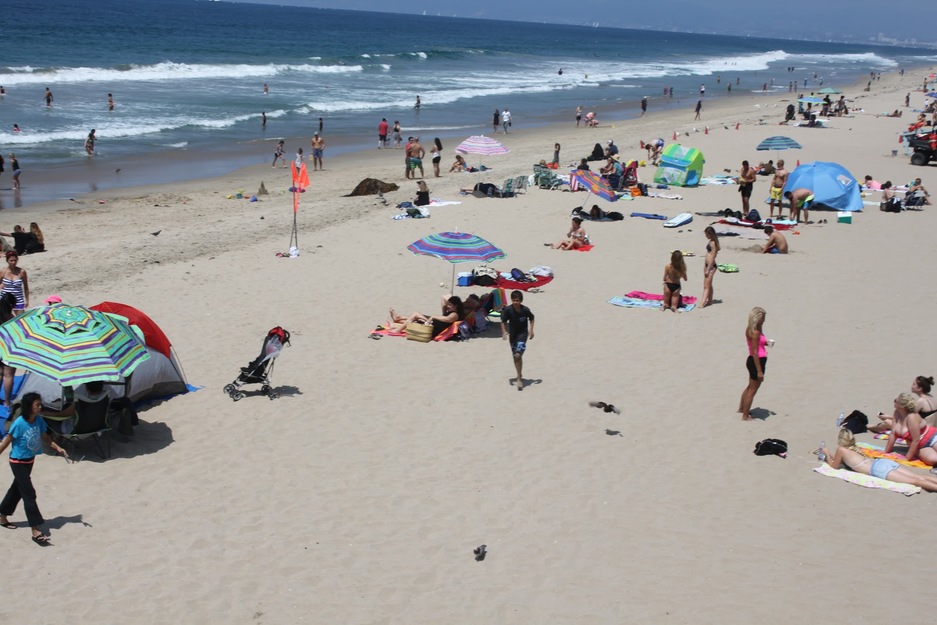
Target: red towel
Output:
[(506, 284)]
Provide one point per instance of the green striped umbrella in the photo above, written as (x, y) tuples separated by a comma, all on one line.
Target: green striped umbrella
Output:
[(71, 344)]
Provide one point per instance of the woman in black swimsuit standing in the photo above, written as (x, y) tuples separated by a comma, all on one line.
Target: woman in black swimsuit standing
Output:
[(709, 269)]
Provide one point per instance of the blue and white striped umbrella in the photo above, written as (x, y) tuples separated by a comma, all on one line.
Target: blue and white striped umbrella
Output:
[(778, 143)]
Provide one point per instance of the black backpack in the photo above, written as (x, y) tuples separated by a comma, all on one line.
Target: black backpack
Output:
[(771, 447), (856, 422)]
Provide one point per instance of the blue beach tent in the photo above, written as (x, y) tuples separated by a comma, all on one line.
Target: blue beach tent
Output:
[(832, 185)]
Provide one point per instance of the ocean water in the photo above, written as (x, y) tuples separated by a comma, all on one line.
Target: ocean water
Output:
[(187, 78)]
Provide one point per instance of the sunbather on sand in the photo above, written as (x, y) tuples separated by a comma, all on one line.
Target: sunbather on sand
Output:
[(459, 164), (452, 310), (575, 238), (848, 454)]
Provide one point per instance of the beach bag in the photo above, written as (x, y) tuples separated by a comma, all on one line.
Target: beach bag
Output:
[(483, 275), (771, 447), (856, 422), (419, 332), (754, 215), (519, 276)]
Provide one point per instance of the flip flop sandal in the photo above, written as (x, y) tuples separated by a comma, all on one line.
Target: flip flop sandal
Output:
[(41, 540), (8, 525), (375, 336)]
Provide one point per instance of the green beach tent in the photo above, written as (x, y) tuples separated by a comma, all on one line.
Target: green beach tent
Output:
[(680, 166)]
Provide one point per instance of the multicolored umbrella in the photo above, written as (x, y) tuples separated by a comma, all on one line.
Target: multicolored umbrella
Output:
[(456, 247), (595, 184), (482, 145), (71, 344)]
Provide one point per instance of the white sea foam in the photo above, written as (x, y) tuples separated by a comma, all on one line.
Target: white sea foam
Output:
[(166, 71)]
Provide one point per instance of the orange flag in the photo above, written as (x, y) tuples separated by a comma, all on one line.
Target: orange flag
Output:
[(300, 182)]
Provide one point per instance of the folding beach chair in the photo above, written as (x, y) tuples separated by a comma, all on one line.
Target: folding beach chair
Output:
[(91, 420)]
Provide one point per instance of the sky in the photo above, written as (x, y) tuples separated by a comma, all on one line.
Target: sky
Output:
[(821, 20)]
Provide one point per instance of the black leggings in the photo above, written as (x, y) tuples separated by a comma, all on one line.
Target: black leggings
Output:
[(22, 489)]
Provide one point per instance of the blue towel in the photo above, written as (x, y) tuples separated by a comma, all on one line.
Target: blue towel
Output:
[(631, 302)]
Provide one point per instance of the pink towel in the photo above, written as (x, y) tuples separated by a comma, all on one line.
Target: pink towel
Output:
[(689, 299)]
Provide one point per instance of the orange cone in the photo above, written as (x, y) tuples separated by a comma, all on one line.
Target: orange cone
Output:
[(674, 135), (798, 162), (642, 144), (736, 125), (706, 132)]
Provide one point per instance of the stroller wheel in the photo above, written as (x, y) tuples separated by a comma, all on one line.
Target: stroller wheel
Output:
[(265, 389), (272, 395), (237, 396), (229, 389)]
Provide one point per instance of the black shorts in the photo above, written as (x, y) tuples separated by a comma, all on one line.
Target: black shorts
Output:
[(746, 190), (750, 363)]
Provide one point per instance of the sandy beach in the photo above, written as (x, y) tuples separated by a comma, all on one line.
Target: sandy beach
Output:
[(358, 496)]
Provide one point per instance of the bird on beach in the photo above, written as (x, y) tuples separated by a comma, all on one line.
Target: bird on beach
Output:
[(117, 171), (604, 406), (156, 234)]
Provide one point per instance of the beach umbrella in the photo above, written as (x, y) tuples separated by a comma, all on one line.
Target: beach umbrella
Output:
[(932, 94), (482, 146), (829, 91), (831, 183), (595, 184), (71, 344), (778, 143), (811, 100), (456, 247)]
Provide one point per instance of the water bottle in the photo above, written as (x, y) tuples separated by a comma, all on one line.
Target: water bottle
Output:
[(820, 455), (842, 417)]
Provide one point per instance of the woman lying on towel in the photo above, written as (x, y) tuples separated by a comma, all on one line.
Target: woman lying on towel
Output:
[(575, 238), (452, 310), (848, 454)]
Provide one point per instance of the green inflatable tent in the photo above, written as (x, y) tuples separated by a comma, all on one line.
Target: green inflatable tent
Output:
[(680, 166)]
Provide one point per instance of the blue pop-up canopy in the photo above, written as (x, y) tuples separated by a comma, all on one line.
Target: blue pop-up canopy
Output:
[(832, 185)]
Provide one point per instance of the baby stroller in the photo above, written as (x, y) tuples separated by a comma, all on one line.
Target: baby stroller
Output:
[(258, 371)]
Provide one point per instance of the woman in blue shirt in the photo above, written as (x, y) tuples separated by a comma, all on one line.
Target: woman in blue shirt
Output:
[(24, 439)]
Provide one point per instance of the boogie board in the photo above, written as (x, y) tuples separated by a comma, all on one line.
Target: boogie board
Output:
[(649, 216), (680, 220)]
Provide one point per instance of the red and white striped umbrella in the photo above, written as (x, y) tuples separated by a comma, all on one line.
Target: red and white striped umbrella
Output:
[(480, 144)]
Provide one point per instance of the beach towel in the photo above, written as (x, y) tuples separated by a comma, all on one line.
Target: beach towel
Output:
[(650, 216), (874, 451), (438, 202), (506, 284), (583, 248), (867, 480), (666, 196), (640, 299)]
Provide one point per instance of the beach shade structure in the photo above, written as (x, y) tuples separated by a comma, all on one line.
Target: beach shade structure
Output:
[(71, 344), (778, 143), (829, 91), (482, 146), (594, 184), (680, 166), (157, 377), (811, 100), (932, 94), (456, 247), (832, 185)]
